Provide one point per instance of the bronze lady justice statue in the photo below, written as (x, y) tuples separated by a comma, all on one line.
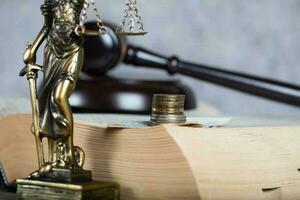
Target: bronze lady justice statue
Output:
[(52, 115), (63, 59)]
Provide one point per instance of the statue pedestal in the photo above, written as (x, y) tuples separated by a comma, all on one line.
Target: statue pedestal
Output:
[(44, 190), (66, 176)]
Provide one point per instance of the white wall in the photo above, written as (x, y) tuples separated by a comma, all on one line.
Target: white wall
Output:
[(258, 36)]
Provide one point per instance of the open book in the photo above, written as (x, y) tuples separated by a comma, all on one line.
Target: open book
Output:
[(258, 159)]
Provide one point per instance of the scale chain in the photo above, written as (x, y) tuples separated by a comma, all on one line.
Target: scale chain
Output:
[(80, 29), (131, 14), (100, 24)]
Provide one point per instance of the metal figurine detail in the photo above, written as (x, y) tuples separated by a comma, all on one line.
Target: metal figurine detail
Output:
[(63, 59), (63, 31), (131, 20)]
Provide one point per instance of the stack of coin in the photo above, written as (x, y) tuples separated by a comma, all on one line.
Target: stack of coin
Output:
[(168, 109)]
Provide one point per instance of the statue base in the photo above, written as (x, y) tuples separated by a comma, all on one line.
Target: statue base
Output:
[(66, 176), (44, 190)]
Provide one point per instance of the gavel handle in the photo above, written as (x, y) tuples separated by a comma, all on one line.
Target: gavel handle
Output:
[(259, 86)]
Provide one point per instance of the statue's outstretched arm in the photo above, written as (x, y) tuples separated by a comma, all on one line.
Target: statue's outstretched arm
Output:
[(31, 49)]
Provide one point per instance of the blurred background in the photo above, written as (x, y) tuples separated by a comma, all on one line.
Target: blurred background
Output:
[(260, 37)]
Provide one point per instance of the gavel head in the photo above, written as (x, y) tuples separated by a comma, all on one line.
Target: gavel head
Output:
[(103, 52)]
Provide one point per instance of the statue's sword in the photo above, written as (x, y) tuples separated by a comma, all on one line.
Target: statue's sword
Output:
[(31, 71)]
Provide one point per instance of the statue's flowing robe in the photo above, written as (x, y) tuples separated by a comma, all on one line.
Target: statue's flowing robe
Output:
[(63, 60)]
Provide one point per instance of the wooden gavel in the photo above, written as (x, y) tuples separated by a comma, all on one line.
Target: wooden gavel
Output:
[(107, 51)]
